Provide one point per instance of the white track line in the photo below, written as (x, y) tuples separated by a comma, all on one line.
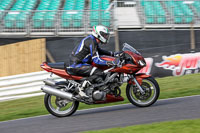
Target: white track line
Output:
[(99, 108)]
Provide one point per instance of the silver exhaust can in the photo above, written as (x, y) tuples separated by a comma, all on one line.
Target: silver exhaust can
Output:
[(49, 82), (50, 90)]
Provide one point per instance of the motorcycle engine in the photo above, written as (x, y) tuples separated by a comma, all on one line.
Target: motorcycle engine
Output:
[(99, 95)]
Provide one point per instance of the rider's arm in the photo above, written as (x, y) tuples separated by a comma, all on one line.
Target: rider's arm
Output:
[(97, 60), (104, 52), (95, 56)]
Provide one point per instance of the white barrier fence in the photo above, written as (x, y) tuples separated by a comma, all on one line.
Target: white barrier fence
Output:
[(23, 85)]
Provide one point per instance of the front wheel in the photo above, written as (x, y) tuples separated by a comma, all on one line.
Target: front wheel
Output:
[(152, 91), (60, 107)]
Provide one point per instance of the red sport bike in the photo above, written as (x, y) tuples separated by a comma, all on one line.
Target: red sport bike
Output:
[(62, 98)]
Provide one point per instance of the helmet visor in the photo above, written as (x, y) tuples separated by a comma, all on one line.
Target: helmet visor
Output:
[(105, 35)]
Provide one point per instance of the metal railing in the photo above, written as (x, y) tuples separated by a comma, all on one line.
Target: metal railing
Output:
[(169, 12), (151, 13), (23, 85), (60, 22)]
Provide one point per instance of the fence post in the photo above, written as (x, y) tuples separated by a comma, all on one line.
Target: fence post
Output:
[(116, 39), (28, 24), (86, 22), (57, 22), (115, 27), (192, 36)]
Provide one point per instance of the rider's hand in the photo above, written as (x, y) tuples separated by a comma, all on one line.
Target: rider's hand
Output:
[(116, 62), (118, 54)]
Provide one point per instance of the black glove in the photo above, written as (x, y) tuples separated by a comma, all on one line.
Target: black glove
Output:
[(118, 54), (116, 62)]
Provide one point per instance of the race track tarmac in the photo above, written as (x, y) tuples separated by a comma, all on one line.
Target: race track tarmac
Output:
[(107, 117)]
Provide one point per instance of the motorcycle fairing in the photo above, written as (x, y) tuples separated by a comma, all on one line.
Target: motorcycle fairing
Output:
[(139, 77), (60, 72), (111, 98)]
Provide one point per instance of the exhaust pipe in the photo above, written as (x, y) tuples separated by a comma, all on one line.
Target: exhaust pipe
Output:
[(50, 90), (49, 82)]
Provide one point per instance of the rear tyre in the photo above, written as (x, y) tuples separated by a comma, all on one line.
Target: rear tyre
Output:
[(152, 92), (60, 107)]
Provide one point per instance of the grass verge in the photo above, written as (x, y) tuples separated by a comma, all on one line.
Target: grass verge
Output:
[(183, 126), (170, 87)]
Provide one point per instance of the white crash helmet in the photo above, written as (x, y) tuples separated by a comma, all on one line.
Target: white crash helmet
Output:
[(102, 33)]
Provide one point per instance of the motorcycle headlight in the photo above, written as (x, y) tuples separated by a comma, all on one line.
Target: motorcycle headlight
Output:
[(141, 63)]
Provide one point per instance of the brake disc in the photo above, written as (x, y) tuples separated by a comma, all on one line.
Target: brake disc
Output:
[(147, 89)]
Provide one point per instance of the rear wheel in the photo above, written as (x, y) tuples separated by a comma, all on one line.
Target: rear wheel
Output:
[(152, 91), (60, 107)]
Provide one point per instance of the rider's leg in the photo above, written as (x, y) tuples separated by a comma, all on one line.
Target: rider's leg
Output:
[(85, 72), (95, 76)]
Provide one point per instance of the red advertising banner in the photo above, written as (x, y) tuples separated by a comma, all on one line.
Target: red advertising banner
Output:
[(181, 64)]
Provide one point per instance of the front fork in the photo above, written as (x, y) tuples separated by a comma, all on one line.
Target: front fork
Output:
[(137, 80), (138, 85)]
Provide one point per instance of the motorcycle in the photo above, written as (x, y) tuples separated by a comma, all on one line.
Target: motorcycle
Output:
[(62, 98)]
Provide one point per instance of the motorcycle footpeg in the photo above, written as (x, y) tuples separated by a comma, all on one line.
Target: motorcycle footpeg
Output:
[(81, 97)]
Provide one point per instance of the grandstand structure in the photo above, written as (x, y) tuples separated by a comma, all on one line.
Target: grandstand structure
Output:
[(76, 17)]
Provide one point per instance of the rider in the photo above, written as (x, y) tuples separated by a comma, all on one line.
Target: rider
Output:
[(89, 51)]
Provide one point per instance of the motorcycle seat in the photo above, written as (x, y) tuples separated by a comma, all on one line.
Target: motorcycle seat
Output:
[(58, 65), (69, 71)]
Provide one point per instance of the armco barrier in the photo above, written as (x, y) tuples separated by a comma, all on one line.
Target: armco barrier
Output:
[(23, 85)]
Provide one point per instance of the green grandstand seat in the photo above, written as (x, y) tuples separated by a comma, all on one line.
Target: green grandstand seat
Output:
[(77, 24), (71, 18), (93, 23), (65, 24), (161, 20), (37, 23), (9, 21), (77, 20), (154, 12), (46, 19), (181, 12), (149, 20), (105, 18), (20, 23), (188, 14), (66, 16), (99, 17), (94, 15), (178, 20), (65, 20), (19, 20), (196, 5), (106, 23), (49, 21), (38, 20), (159, 12), (149, 12), (105, 15)]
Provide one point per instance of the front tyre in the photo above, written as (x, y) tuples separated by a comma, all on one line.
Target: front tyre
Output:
[(152, 92), (60, 107)]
